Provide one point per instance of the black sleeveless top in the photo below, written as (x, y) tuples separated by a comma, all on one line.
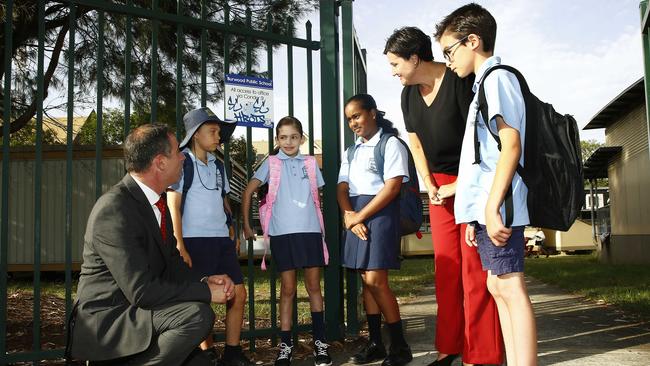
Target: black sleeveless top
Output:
[(440, 126)]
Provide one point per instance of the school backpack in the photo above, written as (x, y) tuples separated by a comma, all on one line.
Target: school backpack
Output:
[(188, 177), (266, 203), (552, 168), (410, 203)]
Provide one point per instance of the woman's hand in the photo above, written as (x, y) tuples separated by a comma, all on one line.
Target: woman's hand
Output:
[(361, 231), (447, 190), (434, 196)]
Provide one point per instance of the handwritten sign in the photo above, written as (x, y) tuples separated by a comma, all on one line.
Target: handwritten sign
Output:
[(249, 100)]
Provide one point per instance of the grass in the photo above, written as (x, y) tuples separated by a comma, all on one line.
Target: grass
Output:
[(415, 273), (627, 286)]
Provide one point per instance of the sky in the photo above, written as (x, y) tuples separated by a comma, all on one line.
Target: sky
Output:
[(577, 55)]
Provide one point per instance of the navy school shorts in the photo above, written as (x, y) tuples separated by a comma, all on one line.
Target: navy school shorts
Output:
[(212, 256), (501, 260)]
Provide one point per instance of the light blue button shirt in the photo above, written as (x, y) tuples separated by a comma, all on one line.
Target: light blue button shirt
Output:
[(504, 99), (294, 210), (361, 173), (204, 216)]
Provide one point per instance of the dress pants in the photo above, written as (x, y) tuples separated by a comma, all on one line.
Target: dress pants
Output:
[(177, 331), (467, 321)]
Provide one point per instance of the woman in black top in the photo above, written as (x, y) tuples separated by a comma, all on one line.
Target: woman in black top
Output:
[(435, 103)]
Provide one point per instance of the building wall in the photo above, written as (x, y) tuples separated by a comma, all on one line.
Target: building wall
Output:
[(629, 179)]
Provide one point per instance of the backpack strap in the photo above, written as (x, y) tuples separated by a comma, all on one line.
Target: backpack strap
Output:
[(188, 176), (380, 152), (222, 172), (483, 110), (311, 166), (275, 170)]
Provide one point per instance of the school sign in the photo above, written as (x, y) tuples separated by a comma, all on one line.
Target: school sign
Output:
[(249, 100)]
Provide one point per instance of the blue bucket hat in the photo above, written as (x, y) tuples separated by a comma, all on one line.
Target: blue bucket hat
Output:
[(195, 118)]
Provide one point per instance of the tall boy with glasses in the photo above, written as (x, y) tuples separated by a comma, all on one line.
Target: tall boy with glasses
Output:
[(467, 38)]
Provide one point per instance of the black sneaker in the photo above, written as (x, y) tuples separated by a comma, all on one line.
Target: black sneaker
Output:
[(238, 360), (398, 356), (321, 355), (284, 355), (370, 352)]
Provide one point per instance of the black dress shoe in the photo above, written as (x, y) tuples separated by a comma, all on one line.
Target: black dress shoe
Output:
[(370, 352), (447, 361), (398, 356)]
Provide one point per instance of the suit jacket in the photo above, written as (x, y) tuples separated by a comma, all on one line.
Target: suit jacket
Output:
[(127, 271)]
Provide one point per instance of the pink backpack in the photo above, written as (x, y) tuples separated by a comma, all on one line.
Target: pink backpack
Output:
[(266, 206)]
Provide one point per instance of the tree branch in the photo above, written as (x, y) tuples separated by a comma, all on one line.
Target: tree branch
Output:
[(22, 120)]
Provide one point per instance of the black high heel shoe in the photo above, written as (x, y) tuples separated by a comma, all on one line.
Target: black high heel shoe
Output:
[(444, 361)]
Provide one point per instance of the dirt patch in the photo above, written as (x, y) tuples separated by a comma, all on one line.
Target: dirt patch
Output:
[(20, 326)]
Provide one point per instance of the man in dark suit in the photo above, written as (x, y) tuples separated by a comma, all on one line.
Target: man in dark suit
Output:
[(138, 303)]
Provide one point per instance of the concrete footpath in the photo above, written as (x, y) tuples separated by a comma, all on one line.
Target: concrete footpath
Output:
[(571, 331)]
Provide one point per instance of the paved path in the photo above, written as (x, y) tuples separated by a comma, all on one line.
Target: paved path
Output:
[(571, 331)]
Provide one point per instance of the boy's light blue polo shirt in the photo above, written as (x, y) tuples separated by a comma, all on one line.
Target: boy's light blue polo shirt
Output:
[(504, 98), (204, 216), (361, 173), (294, 210)]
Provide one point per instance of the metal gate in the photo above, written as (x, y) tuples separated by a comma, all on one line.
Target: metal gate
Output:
[(354, 80)]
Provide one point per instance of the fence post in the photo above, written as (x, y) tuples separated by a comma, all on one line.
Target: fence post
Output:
[(330, 112)]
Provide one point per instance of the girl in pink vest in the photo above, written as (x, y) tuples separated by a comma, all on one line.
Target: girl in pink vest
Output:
[(293, 227)]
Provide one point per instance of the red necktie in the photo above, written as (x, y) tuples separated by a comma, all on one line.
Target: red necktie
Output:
[(162, 206)]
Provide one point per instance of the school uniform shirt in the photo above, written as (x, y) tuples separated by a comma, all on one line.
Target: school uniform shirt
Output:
[(504, 98), (293, 210), (361, 173), (204, 215)]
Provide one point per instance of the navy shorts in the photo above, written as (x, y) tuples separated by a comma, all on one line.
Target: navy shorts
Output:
[(212, 256), (501, 260), (297, 250)]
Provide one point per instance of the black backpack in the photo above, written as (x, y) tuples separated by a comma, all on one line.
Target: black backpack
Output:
[(552, 168), (409, 199)]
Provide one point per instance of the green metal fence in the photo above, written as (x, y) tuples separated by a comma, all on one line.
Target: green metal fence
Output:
[(354, 76)]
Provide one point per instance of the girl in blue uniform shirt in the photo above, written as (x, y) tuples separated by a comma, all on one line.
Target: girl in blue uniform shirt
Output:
[(371, 211), (295, 236)]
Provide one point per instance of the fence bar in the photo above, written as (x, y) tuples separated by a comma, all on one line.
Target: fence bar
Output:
[(128, 44), (273, 274), (99, 141), (331, 157), (68, 164), (204, 56), (290, 69), (4, 235), (645, 38), (196, 23), (250, 160), (226, 70), (310, 92), (154, 65), (38, 178), (349, 89), (180, 43)]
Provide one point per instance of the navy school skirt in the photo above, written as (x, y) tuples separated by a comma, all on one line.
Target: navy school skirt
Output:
[(297, 250), (382, 249)]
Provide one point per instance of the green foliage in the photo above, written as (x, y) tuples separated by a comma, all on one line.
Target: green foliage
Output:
[(27, 136), (588, 147), (238, 150), (284, 15)]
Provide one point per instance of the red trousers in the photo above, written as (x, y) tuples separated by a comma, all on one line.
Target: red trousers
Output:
[(468, 321)]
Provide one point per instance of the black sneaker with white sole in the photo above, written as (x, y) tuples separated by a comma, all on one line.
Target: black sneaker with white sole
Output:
[(321, 355), (284, 355)]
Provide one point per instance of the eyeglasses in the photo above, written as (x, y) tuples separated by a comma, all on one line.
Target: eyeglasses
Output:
[(447, 53)]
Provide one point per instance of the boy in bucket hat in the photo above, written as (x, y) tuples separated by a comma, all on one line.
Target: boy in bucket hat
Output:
[(202, 235)]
